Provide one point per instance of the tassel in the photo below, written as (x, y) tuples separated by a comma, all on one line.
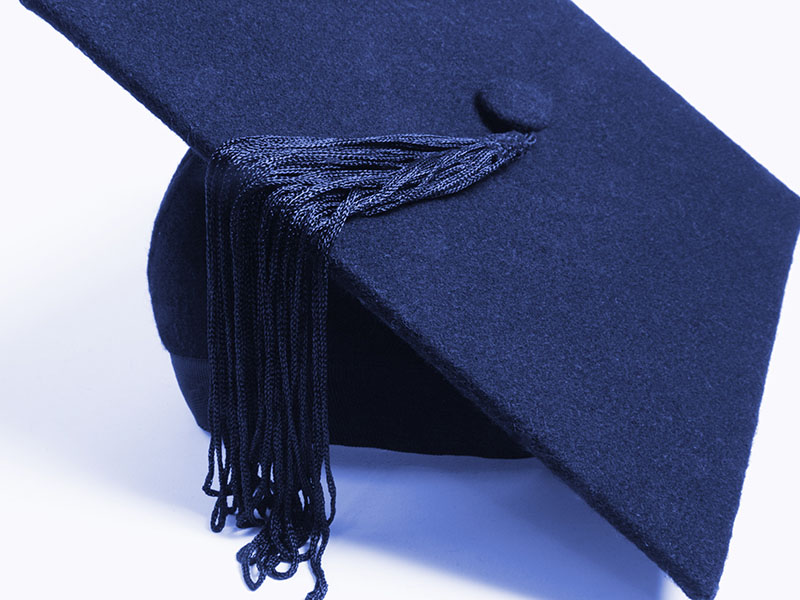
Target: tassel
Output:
[(274, 206)]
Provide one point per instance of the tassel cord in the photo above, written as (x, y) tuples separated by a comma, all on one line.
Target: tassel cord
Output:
[(274, 206)]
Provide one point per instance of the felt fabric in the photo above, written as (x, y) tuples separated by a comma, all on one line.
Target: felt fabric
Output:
[(176, 265), (609, 300)]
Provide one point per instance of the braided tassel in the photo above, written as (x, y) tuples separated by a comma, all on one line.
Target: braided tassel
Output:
[(274, 206)]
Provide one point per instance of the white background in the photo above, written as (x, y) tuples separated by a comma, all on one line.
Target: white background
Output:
[(101, 463)]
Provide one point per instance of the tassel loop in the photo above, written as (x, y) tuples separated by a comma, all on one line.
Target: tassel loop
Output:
[(274, 206)]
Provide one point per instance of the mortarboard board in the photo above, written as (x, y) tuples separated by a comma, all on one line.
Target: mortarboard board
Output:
[(605, 301)]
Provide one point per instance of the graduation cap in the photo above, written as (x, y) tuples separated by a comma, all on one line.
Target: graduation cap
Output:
[(452, 228)]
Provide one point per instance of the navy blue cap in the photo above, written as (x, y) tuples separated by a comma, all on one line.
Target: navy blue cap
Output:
[(604, 299)]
